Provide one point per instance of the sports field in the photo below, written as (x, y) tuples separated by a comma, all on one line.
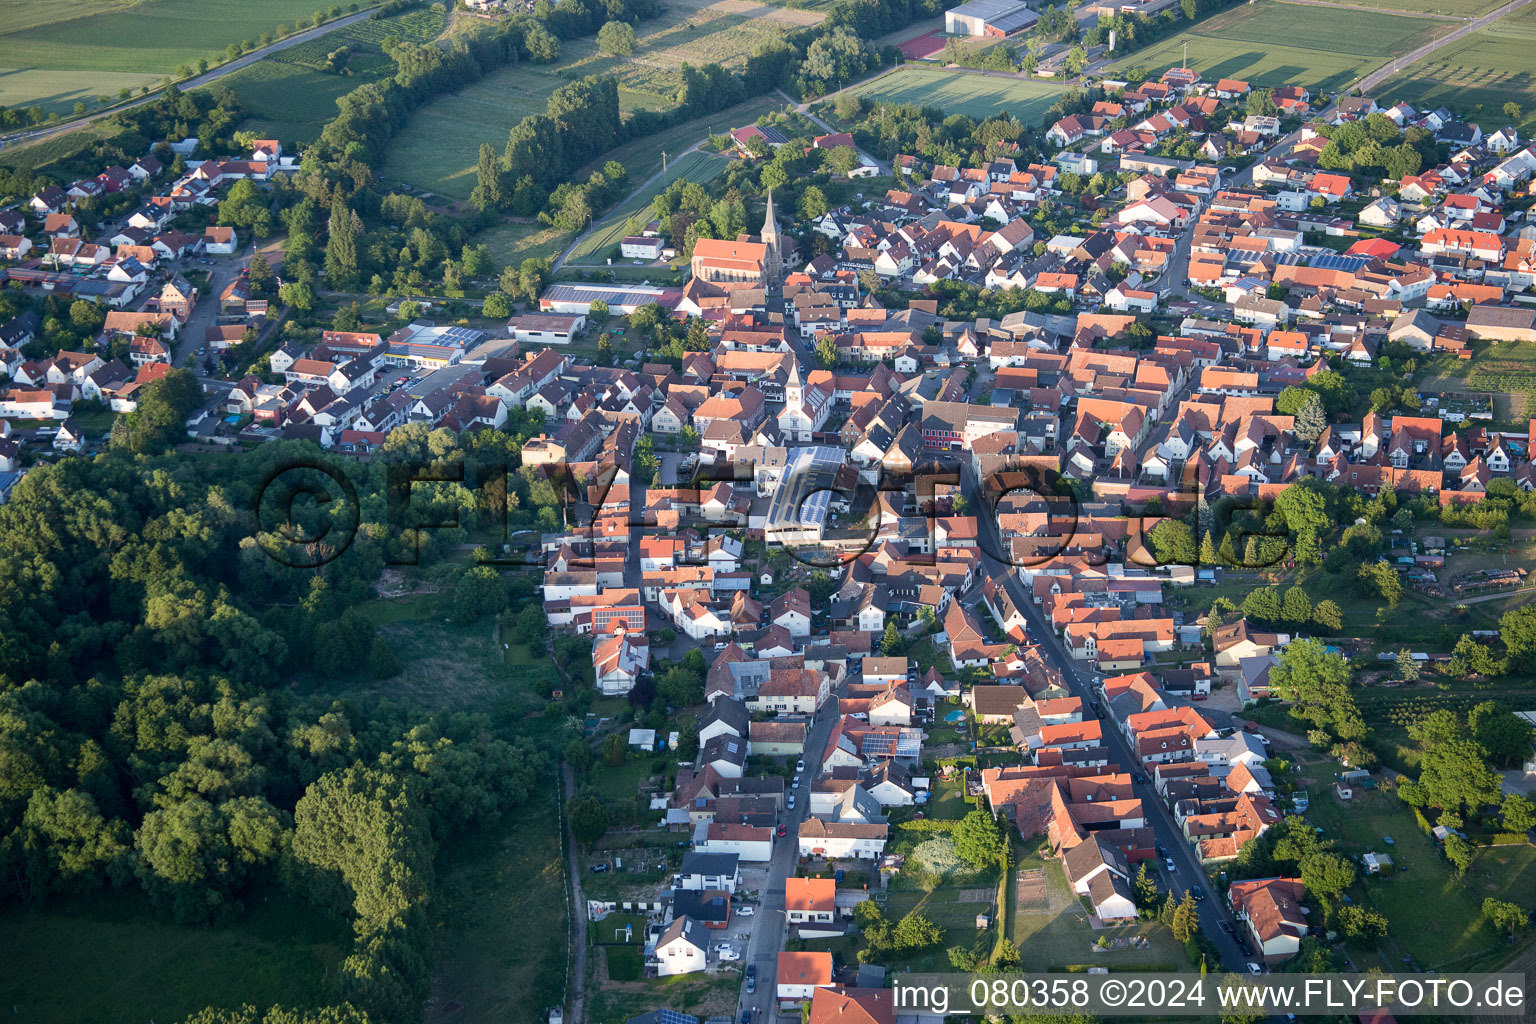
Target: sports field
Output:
[(975, 96), (696, 167), (1270, 43), (53, 53), (438, 149), (1449, 8), (1488, 68)]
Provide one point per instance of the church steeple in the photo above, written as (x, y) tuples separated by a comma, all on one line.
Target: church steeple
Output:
[(773, 271), (794, 391)]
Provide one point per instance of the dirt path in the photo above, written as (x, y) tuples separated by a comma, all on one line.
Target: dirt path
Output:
[(578, 963), (192, 83)]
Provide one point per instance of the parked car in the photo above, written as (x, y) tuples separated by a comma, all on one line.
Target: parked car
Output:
[(1254, 968), (751, 968), (728, 955), (791, 802), (781, 832), (1140, 779), (598, 869), (751, 985), (1226, 926), (800, 766), (746, 912), (1171, 865), (721, 645)]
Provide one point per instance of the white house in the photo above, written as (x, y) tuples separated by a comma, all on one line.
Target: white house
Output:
[(749, 842), (841, 840), (801, 974), (682, 948)]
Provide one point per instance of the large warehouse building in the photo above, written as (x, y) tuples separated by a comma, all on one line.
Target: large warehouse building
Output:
[(996, 18)]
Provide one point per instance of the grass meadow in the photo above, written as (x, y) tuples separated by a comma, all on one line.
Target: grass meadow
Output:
[(1272, 43), (696, 167), (1432, 916), (975, 96), (438, 149), (1478, 74), (112, 959), (288, 96)]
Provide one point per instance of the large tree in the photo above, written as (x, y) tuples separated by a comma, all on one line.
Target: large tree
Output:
[(341, 261), (980, 840)]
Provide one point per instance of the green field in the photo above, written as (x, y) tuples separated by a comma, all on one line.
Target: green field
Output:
[(1272, 43), (696, 167), (1466, 9), (501, 938), (1476, 75), (289, 101), (113, 960), (1432, 916), (438, 148), (976, 96), (55, 60), (289, 97)]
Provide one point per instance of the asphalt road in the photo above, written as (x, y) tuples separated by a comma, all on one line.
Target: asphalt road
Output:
[(769, 930), (1079, 680)]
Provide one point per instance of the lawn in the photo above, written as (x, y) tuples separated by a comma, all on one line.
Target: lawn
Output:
[(58, 90), (501, 931), (595, 247), (111, 959), (1271, 43), (511, 243), (1478, 74), (1057, 935), (126, 44), (438, 148), (1433, 917), (976, 96)]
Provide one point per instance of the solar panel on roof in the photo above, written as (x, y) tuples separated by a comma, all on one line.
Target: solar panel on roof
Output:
[(674, 1017), (879, 744)]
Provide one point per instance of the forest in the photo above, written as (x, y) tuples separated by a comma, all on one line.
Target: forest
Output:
[(159, 726)]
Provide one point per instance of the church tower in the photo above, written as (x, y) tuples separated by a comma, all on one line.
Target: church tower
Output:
[(773, 269), (794, 391)]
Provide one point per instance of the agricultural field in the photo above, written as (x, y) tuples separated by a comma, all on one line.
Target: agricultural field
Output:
[(54, 57), (1478, 74), (1272, 43), (438, 149), (696, 167), (975, 96), (290, 96), (1507, 371)]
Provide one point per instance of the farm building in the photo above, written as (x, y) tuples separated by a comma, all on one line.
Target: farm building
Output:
[(995, 18)]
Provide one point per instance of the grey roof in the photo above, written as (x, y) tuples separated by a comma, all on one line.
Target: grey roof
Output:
[(732, 749), (730, 713), (687, 928), (695, 863)]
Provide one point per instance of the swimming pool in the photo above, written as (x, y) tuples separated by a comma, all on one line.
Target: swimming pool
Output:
[(955, 716)]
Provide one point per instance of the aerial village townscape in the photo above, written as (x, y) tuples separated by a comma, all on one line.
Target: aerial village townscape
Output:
[(669, 512)]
